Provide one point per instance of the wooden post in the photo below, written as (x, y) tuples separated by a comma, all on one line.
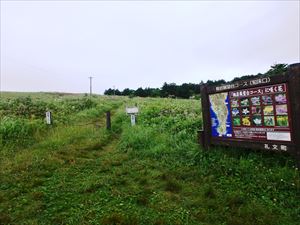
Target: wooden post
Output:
[(205, 117), (108, 121), (201, 140), (294, 84)]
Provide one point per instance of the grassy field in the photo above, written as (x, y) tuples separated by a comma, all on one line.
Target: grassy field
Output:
[(77, 172)]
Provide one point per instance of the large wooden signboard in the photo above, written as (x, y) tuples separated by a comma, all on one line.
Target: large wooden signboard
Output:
[(262, 113)]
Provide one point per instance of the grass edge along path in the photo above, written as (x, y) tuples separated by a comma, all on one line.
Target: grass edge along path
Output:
[(30, 169)]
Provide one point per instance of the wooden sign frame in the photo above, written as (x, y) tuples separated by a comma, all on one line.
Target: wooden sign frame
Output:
[(291, 79)]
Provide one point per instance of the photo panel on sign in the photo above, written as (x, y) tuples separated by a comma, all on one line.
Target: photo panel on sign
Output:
[(257, 120), (267, 99), (282, 121), (255, 100), (256, 110), (269, 121), (281, 110), (280, 98), (268, 110), (246, 121), (245, 102), (237, 121)]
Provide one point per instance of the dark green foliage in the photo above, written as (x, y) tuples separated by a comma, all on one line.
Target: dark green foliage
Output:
[(245, 77), (216, 82), (277, 69), (189, 90), (24, 107)]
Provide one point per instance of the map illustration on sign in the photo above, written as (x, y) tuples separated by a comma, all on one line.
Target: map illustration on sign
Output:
[(220, 115)]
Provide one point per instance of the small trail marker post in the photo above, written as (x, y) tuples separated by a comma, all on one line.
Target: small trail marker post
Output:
[(108, 120), (132, 118), (132, 111), (48, 118)]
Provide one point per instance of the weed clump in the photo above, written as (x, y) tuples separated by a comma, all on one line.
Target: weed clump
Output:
[(210, 192), (5, 218), (118, 219), (142, 200), (173, 186), (236, 201)]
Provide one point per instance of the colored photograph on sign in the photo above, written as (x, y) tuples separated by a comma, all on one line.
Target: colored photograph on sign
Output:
[(235, 112), (267, 100), (281, 110), (257, 120), (256, 113), (282, 121), (268, 110), (237, 121), (256, 110), (255, 101), (280, 98)]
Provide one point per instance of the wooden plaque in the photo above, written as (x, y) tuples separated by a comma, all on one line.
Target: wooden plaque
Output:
[(260, 113)]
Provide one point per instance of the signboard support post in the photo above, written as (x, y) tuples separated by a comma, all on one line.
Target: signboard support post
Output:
[(294, 77), (205, 117)]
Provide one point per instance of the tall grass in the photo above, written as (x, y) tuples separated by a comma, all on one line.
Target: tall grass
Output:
[(23, 118), (18, 131), (234, 186)]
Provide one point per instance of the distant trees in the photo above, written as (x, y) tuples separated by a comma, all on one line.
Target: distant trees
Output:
[(112, 92), (109, 92), (168, 90), (274, 70), (277, 69), (128, 92), (188, 90)]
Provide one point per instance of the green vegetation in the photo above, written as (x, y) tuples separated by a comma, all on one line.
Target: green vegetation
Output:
[(77, 172)]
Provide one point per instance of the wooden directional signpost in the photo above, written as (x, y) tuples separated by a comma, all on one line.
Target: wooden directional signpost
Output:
[(261, 113)]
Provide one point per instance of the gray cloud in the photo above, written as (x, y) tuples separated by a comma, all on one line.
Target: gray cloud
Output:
[(55, 46)]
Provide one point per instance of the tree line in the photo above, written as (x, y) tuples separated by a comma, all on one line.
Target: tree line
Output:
[(187, 90)]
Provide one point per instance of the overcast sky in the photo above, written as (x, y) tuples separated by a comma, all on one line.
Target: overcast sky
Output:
[(56, 46)]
